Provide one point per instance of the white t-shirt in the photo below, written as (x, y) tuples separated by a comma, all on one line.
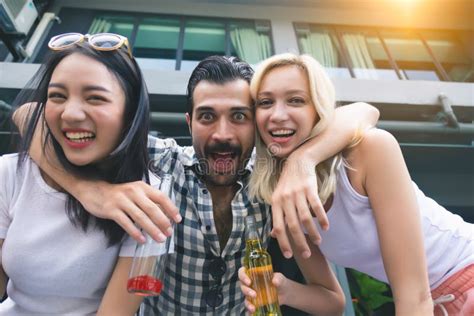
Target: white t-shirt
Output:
[(53, 266), (352, 241)]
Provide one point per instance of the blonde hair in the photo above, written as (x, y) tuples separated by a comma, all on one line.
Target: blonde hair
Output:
[(267, 167)]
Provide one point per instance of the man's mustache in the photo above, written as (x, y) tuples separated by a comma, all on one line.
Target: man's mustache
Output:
[(222, 147)]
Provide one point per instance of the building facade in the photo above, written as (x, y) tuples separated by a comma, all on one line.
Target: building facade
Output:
[(412, 59)]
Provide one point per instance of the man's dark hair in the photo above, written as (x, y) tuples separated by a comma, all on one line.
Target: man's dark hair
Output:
[(219, 70), (128, 162)]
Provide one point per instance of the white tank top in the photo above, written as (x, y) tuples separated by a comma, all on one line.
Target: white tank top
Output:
[(352, 239)]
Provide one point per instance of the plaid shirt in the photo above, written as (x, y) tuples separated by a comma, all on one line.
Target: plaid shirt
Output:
[(186, 279)]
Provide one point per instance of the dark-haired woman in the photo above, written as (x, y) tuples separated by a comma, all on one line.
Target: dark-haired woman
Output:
[(91, 101)]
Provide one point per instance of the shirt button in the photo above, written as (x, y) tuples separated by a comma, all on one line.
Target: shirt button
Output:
[(208, 227), (204, 191)]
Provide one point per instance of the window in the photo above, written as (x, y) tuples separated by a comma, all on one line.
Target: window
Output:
[(172, 42), (367, 55), (371, 53), (451, 54), (251, 40), (156, 43), (202, 38), (111, 24), (322, 43), (154, 40), (411, 56)]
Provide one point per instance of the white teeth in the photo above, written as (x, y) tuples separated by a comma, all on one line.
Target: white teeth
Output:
[(82, 140), (283, 132), (82, 136)]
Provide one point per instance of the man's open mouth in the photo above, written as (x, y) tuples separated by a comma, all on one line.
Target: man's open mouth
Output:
[(223, 162)]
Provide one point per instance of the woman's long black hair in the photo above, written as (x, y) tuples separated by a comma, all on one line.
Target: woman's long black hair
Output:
[(128, 162)]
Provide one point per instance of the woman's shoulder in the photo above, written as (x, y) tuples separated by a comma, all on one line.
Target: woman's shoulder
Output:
[(374, 142), (8, 157), (376, 138), (15, 174), (374, 149), (8, 163)]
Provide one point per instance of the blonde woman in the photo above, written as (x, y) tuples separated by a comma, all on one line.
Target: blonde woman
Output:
[(381, 223)]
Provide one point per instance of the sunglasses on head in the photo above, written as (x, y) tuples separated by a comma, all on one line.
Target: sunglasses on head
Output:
[(99, 41)]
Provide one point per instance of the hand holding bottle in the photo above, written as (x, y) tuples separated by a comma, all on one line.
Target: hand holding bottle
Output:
[(279, 281), (258, 264)]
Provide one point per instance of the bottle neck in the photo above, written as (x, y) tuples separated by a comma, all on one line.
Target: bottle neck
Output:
[(251, 233), (253, 244)]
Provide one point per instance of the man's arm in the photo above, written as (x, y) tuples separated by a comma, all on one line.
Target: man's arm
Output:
[(295, 199), (123, 203)]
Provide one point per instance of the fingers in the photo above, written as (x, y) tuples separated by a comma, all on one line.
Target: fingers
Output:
[(245, 284), (306, 219), (138, 202), (246, 290), (129, 227), (279, 230), (278, 279), (295, 229), (148, 214), (142, 220), (243, 277), (318, 209), (249, 306), (166, 205), (132, 203)]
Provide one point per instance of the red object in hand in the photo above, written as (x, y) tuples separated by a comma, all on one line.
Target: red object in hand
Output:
[(144, 285)]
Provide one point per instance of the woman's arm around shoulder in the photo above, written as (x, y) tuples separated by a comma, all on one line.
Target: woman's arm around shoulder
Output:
[(117, 301), (124, 203), (295, 200), (385, 179)]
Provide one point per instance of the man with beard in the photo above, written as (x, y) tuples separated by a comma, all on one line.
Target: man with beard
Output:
[(210, 187)]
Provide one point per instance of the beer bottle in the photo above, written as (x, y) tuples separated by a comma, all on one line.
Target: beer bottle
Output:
[(258, 265)]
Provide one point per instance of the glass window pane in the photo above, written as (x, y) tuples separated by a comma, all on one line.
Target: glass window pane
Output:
[(321, 43), (202, 38), (452, 55), (156, 43), (250, 42), (366, 53), (112, 24), (411, 56)]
